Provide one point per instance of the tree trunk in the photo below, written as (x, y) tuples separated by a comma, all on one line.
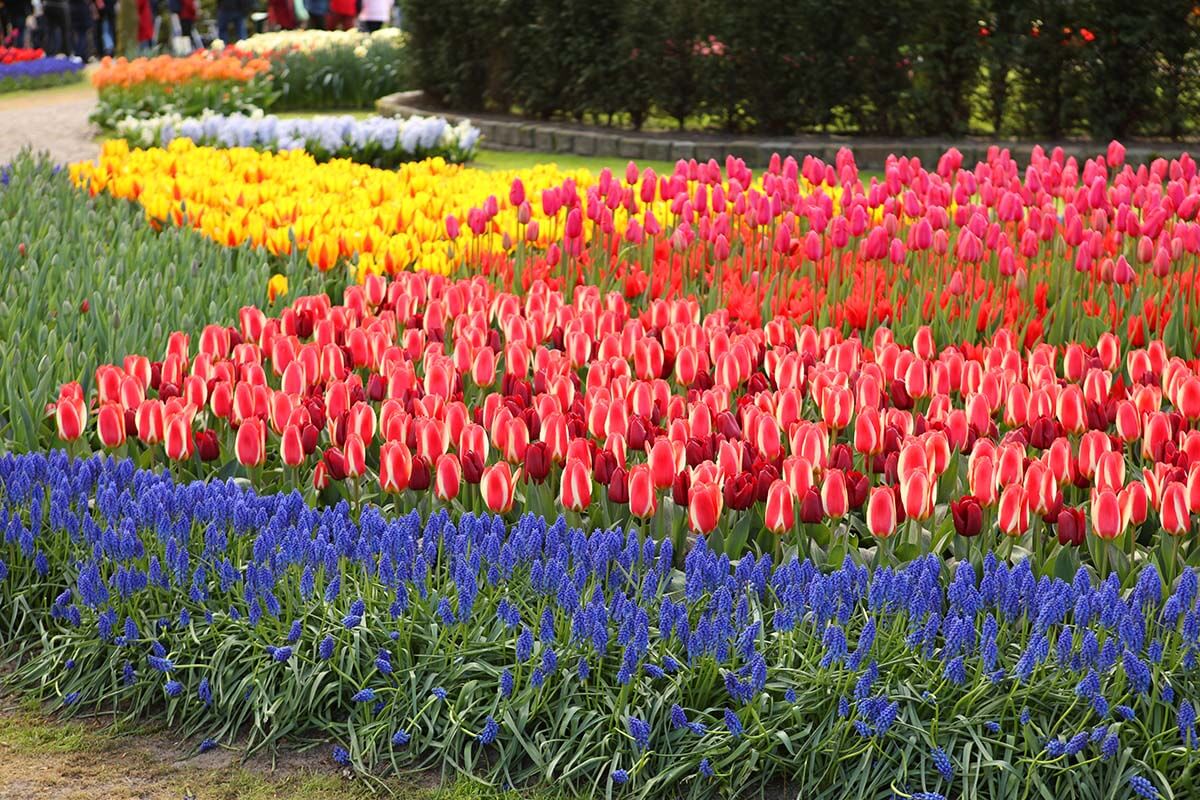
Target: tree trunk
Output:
[(127, 26)]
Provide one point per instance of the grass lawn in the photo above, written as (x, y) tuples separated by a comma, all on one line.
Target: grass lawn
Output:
[(55, 759), (508, 159)]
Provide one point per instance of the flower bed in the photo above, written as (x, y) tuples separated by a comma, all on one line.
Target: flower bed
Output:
[(537, 652), (58, 320), (149, 87), (1057, 252), (383, 142), (30, 69)]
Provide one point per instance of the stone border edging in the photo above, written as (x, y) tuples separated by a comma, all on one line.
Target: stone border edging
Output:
[(512, 133)]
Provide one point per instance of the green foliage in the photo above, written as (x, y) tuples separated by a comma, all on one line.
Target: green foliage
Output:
[(913, 67), (190, 99), (62, 249), (338, 77)]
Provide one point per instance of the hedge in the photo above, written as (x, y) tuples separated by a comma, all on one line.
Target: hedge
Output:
[(1046, 68)]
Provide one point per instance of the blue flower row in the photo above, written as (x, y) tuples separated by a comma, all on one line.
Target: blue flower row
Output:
[(467, 641)]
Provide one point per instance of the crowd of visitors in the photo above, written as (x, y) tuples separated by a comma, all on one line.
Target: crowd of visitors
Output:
[(88, 28)]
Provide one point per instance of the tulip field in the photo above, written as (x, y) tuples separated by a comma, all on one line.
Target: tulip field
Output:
[(711, 482)]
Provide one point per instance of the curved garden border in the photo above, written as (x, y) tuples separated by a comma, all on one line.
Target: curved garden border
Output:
[(505, 132)]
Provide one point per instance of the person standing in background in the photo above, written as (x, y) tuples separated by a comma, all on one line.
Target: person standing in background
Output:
[(281, 14), (318, 10), (342, 14), (17, 12), (56, 27), (231, 19), (106, 27), (375, 14), (145, 29), (82, 13), (186, 11)]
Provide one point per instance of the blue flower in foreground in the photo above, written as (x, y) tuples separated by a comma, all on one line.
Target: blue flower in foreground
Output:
[(174, 688), (401, 738), (325, 649), (1125, 712), (705, 768), (491, 729), (208, 744), (282, 654), (991, 726), (71, 698), (341, 755), (943, 764), (790, 695), (639, 729), (364, 695), (620, 776), (439, 693), (929, 796), (733, 723), (506, 683), (1142, 787)]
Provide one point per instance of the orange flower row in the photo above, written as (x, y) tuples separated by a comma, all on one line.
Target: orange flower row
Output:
[(203, 65)]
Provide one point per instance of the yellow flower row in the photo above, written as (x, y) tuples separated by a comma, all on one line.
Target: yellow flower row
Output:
[(381, 221), (392, 220)]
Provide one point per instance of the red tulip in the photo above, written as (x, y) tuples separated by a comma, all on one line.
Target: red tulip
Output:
[(70, 413), (780, 513), (1072, 527), (291, 447), (537, 462), (834, 496), (968, 516), (811, 511), (575, 491), (250, 446), (448, 480), (110, 424), (704, 507), (208, 447), (395, 467), (498, 484), (881, 512), (356, 456), (1106, 514), (178, 438), (151, 424), (1176, 520), (1014, 510), (643, 497)]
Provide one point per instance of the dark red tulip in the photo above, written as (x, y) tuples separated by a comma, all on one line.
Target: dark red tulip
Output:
[(420, 478), (335, 462), (207, 445), (537, 462), (858, 487), (739, 491), (1072, 527), (681, 487), (968, 516), (618, 486), (811, 510), (472, 466)]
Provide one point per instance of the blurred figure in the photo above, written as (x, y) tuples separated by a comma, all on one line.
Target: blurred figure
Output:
[(82, 13), (106, 27), (185, 10), (231, 19), (17, 12), (55, 26), (342, 14), (145, 31), (318, 11), (375, 14), (282, 14)]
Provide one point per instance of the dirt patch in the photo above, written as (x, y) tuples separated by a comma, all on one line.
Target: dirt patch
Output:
[(57, 759)]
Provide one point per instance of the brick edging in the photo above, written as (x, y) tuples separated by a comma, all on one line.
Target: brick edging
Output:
[(549, 137)]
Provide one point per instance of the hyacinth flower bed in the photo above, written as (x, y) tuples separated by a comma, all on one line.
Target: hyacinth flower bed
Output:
[(22, 69), (384, 142), (530, 651), (1054, 251)]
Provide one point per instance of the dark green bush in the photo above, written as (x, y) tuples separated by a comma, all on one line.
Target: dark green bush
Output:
[(1045, 68)]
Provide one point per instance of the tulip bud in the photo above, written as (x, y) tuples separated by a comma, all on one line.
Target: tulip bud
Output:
[(498, 485), (968, 516), (250, 446), (881, 512), (449, 477), (704, 507), (395, 467), (291, 447), (575, 492), (780, 512), (110, 424), (643, 497)]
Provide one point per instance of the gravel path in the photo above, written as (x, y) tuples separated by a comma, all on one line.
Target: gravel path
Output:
[(54, 120)]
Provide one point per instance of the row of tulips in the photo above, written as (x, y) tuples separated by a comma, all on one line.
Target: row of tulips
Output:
[(540, 653), (486, 399), (1055, 251)]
